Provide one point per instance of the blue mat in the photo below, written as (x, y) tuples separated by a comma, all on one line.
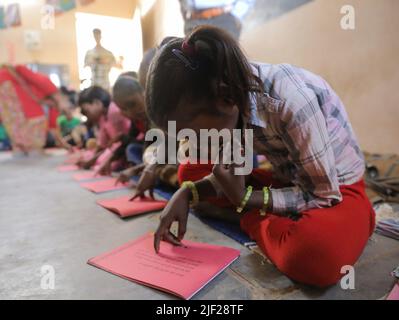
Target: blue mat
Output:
[(233, 231)]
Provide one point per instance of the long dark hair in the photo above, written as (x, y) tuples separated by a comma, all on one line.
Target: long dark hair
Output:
[(93, 93), (206, 66)]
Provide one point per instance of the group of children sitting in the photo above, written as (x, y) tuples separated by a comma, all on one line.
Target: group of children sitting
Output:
[(310, 215), (114, 133)]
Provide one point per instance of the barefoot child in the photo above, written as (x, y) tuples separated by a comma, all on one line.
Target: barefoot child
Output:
[(311, 215)]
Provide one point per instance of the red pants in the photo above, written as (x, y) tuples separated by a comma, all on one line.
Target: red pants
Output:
[(313, 249)]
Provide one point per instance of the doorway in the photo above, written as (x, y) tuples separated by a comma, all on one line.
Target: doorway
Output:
[(123, 37)]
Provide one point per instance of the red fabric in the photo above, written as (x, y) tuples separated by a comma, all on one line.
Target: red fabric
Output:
[(52, 118), (39, 86), (313, 249), (140, 125)]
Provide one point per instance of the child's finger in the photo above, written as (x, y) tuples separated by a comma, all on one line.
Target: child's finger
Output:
[(135, 196), (157, 240), (163, 228), (171, 238), (182, 227)]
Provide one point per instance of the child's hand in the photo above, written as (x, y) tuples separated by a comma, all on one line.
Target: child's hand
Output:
[(85, 164), (105, 169), (123, 177), (233, 185), (135, 171), (176, 210), (129, 173), (147, 181)]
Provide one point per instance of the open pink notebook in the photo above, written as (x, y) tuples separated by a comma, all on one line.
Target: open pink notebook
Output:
[(68, 168), (125, 208), (90, 175), (181, 271), (394, 294), (103, 185)]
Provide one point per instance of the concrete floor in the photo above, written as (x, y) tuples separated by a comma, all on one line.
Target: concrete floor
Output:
[(46, 218)]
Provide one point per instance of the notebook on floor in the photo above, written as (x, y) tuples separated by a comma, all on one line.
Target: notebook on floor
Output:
[(104, 185), (181, 271), (90, 175), (67, 168), (126, 208), (394, 294)]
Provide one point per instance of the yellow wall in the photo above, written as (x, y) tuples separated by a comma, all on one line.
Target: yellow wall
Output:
[(163, 20), (361, 65), (58, 45)]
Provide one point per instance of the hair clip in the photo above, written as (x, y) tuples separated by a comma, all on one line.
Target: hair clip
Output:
[(187, 61), (188, 48)]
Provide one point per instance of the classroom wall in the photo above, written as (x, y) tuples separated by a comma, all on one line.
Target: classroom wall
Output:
[(361, 64), (164, 19), (58, 45)]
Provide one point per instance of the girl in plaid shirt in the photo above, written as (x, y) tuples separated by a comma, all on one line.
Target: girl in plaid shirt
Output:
[(310, 215)]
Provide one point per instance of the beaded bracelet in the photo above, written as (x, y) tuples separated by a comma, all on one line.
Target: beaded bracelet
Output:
[(245, 200), (191, 185), (266, 196)]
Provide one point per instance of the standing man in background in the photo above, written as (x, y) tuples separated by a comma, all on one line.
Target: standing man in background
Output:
[(100, 61), (225, 14)]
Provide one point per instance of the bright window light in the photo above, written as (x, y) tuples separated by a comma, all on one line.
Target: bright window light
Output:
[(123, 37), (55, 79), (145, 6)]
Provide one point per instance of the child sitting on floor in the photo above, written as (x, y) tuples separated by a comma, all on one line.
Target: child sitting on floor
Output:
[(128, 95), (96, 104), (72, 128), (311, 215)]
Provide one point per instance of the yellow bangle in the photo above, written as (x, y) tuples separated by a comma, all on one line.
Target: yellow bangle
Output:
[(191, 185), (266, 196), (245, 200)]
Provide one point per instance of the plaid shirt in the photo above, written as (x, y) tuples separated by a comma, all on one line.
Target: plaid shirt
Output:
[(302, 128)]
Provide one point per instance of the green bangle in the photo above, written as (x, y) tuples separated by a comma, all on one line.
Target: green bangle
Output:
[(191, 185), (245, 200), (266, 196)]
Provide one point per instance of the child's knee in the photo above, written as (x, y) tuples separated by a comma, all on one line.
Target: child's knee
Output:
[(313, 263)]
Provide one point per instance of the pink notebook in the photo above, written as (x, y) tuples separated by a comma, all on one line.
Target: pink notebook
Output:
[(68, 168), (125, 208), (72, 159), (90, 175), (394, 295), (103, 185), (181, 271)]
